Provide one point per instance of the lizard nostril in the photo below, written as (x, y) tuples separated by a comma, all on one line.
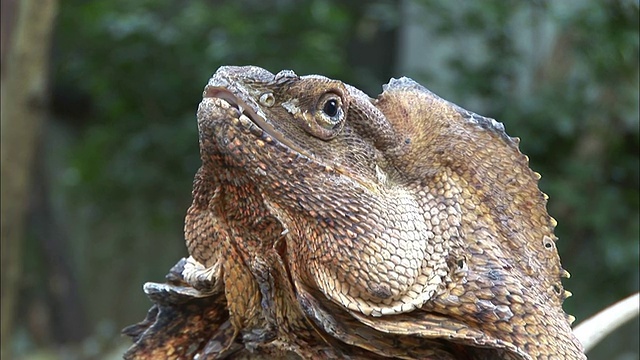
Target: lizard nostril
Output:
[(267, 99)]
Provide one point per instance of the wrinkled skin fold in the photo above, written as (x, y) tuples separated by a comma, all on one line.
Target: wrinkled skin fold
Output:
[(327, 224)]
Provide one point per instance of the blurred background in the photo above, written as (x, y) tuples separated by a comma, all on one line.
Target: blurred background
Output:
[(97, 169)]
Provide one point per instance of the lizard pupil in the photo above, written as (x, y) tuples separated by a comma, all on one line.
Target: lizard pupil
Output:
[(331, 108)]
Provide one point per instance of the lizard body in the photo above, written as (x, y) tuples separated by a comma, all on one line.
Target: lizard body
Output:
[(327, 224)]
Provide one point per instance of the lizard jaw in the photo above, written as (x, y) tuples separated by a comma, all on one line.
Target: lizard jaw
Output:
[(252, 114), (246, 110)]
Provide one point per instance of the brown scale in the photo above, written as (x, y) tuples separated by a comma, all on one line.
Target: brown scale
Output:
[(326, 224)]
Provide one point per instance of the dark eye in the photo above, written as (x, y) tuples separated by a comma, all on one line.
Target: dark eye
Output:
[(330, 108), (327, 119)]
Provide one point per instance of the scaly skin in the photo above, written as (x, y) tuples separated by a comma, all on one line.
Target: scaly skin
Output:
[(326, 224)]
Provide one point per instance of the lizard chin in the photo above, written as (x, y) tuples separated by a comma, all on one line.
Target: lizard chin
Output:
[(248, 111)]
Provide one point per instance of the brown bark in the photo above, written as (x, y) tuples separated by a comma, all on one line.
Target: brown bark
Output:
[(24, 93)]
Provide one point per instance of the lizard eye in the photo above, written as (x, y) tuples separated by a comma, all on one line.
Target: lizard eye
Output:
[(324, 116), (332, 113), (331, 108)]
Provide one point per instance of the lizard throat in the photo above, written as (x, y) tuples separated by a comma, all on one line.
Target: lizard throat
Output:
[(246, 110)]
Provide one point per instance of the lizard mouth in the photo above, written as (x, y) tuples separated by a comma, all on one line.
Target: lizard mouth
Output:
[(247, 111), (249, 118)]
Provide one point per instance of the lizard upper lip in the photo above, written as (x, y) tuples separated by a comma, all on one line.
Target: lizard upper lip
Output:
[(249, 112)]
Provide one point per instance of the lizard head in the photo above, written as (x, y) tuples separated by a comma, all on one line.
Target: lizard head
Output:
[(310, 120)]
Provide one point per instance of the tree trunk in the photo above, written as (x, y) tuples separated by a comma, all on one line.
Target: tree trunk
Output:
[(24, 94)]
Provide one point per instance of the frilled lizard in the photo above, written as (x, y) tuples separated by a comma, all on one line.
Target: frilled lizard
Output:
[(327, 224)]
